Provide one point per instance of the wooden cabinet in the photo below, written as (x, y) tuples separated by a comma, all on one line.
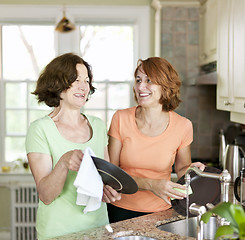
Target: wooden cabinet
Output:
[(231, 55), (208, 31)]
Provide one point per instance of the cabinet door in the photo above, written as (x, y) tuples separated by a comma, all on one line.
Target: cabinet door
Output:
[(231, 56), (208, 32), (211, 31), (239, 56), (224, 86)]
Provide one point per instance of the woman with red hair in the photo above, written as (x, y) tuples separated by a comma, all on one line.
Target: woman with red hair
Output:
[(148, 139)]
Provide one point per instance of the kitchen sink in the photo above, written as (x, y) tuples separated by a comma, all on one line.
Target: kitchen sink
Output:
[(180, 227), (134, 238)]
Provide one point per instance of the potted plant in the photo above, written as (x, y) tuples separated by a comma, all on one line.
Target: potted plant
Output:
[(235, 214)]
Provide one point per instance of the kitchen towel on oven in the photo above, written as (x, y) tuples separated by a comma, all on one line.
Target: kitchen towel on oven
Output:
[(88, 183)]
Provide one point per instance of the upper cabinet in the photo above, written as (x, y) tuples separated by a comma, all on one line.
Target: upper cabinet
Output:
[(231, 55), (208, 32)]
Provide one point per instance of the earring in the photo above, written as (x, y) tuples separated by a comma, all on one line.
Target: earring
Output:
[(89, 97)]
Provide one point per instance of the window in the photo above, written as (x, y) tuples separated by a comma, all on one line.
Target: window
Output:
[(23, 57), (111, 46), (110, 51)]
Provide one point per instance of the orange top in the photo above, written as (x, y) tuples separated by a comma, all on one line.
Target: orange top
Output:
[(148, 157)]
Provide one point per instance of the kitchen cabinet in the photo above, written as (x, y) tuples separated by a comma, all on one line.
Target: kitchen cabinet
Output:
[(208, 31), (231, 56)]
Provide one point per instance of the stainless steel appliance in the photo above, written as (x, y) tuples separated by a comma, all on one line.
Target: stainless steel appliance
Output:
[(234, 160)]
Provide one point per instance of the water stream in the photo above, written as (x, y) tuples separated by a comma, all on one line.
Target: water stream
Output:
[(187, 208)]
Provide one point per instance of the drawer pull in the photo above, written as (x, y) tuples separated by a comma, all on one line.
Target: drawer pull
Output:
[(227, 103)]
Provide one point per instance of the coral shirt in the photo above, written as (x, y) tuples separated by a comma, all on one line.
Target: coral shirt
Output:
[(148, 157)]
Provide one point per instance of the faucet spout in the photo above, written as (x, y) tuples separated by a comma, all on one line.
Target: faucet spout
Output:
[(201, 173), (198, 210)]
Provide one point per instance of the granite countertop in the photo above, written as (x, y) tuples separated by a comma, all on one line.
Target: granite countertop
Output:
[(143, 226)]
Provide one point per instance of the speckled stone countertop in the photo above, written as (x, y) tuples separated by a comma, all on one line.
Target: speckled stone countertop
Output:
[(140, 226), (143, 226)]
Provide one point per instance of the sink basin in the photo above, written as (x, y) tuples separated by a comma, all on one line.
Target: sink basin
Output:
[(180, 228), (134, 238)]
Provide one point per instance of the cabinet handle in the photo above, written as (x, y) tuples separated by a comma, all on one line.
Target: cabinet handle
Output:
[(204, 56), (227, 103)]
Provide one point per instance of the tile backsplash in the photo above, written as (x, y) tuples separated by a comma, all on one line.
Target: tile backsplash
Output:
[(179, 45)]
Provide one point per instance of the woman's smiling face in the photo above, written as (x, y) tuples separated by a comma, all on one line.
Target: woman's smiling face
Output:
[(146, 92), (77, 95)]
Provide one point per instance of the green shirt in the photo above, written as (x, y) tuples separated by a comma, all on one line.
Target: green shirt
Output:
[(63, 216)]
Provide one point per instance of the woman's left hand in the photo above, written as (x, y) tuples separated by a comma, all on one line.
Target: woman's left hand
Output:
[(110, 194)]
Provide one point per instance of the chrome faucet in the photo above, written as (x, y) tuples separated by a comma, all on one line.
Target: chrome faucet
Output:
[(199, 211), (224, 178)]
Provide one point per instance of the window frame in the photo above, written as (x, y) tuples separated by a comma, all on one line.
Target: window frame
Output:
[(139, 16)]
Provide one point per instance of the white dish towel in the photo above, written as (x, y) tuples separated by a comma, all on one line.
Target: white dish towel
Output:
[(88, 183)]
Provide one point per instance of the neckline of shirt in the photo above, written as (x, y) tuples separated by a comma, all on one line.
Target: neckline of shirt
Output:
[(163, 134), (70, 142)]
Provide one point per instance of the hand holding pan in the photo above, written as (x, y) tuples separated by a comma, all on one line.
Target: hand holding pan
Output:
[(115, 177)]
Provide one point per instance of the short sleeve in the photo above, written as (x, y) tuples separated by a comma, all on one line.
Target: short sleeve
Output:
[(187, 137), (114, 130), (36, 139)]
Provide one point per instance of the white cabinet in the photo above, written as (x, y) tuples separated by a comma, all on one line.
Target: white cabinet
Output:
[(239, 56), (208, 32), (231, 56), (223, 39)]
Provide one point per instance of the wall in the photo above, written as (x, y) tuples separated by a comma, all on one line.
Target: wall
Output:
[(179, 45)]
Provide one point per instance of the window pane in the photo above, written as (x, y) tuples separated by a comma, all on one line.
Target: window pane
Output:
[(16, 122), (33, 99), (97, 113), (35, 114), (98, 99), (119, 96), (26, 49), (109, 49), (15, 95), (109, 117), (15, 148)]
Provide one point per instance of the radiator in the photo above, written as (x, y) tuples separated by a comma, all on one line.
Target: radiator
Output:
[(23, 212)]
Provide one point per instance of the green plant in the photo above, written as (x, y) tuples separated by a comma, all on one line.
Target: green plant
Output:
[(234, 213), (18, 163)]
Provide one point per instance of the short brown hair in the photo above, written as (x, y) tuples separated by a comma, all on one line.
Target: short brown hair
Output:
[(162, 73), (58, 76)]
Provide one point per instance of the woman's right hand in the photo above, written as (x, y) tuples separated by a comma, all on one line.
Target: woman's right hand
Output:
[(72, 159), (110, 194), (165, 190)]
